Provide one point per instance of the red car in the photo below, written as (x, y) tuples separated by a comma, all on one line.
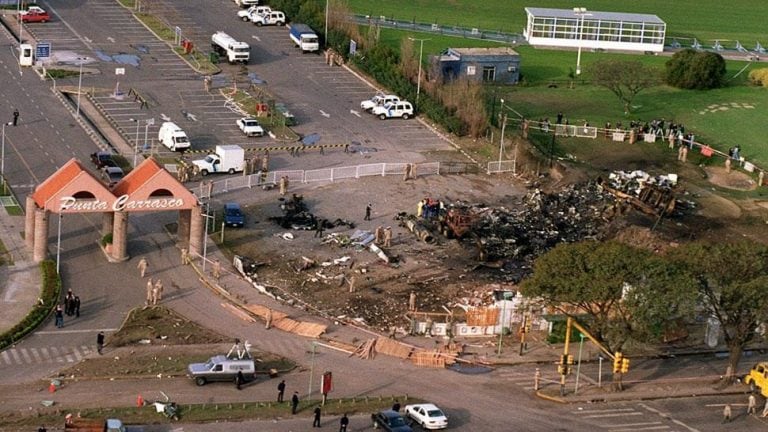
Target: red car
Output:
[(35, 15)]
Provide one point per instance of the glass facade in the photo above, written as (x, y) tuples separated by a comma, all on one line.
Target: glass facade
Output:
[(596, 29)]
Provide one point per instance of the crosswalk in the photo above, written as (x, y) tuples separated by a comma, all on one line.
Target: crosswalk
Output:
[(50, 355), (626, 419), (525, 378)]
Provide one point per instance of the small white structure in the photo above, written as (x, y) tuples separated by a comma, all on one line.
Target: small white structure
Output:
[(26, 55), (579, 28)]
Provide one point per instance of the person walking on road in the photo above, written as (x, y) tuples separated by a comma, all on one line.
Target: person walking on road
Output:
[(294, 402), (316, 421), (15, 116), (751, 405), (368, 212), (727, 413), (280, 391), (343, 423), (143, 264), (100, 342), (150, 288), (59, 316)]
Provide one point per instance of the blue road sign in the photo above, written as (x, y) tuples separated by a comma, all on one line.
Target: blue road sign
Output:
[(43, 50)]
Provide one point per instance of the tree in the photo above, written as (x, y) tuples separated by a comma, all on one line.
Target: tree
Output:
[(627, 293), (623, 78), (699, 70), (731, 280)]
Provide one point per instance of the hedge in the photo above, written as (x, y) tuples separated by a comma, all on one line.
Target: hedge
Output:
[(51, 292)]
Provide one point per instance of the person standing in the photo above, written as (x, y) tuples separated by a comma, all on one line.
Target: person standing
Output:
[(727, 413), (42, 429), (378, 235), (388, 237), (316, 421), (751, 405), (396, 406), (280, 391), (343, 423), (69, 303), (142, 266), (294, 402), (99, 342), (184, 256), (216, 269), (159, 289), (76, 306), (239, 379), (59, 316), (319, 228), (412, 301), (15, 116), (150, 289), (367, 212)]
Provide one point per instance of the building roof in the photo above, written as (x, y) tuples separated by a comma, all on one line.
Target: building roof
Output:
[(605, 16), (484, 51), (69, 180)]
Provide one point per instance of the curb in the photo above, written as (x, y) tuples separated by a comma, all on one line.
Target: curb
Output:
[(628, 396)]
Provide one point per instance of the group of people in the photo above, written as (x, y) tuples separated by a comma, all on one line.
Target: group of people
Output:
[(71, 308), (751, 409), (154, 287), (383, 236), (429, 208), (343, 422)]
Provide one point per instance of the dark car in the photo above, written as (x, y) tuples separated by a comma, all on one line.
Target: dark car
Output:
[(103, 159), (112, 175), (390, 421), (233, 216)]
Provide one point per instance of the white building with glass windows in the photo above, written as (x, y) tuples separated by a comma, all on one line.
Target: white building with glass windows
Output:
[(574, 28)]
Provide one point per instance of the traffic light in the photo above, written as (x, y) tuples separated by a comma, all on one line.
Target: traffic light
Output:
[(617, 362), (625, 365)]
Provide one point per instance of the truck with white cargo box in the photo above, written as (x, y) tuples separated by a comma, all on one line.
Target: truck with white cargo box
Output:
[(227, 159), (226, 46), (173, 137), (304, 37)]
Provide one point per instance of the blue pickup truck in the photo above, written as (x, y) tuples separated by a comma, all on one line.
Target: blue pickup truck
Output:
[(233, 216)]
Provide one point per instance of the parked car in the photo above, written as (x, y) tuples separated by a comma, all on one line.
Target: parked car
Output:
[(35, 14), (757, 378), (103, 159), (233, 216), (250, 127), (390, 421), (271, 18), (253, 11), (246, 3), (427, 415), (112, 175), (378, 100), (400, 109)]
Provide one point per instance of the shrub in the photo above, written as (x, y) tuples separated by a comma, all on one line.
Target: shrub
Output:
[(759, 77), (107, 239), (700, 70)]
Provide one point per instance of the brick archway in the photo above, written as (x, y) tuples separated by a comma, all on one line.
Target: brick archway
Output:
[(149, 187)]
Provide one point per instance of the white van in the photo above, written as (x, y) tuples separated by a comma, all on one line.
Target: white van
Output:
[(173, 137)]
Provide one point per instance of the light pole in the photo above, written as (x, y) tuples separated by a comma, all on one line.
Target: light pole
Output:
[(80, 83), (2, 157), (58, 243), (421, 51), (18, 13), (205, 237), (326, 22), (580, 11), (136, 141), (503, 126)]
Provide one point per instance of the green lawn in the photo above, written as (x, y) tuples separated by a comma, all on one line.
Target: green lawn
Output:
[(706, 20)]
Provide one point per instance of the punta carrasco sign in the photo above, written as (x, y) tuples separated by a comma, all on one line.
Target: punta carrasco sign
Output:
[(123, 202)]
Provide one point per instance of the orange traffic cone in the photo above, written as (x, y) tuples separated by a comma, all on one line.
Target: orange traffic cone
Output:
[(139, 401), (52, 388)]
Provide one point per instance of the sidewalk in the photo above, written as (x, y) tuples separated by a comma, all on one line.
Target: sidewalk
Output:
[(20, 280)]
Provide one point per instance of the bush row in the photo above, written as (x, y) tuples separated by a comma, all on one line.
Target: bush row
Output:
[(49, 298)]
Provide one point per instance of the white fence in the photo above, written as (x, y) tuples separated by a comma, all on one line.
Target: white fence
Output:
[(501, 166), (206, 190)]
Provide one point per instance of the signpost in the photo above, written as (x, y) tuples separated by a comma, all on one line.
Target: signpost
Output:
[(43, 50)]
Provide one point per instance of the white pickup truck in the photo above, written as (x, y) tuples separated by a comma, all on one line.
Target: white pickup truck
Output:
[(378, 100), (400, 109)]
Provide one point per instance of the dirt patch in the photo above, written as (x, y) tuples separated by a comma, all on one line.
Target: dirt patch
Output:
[(731, 180), (160, 325)]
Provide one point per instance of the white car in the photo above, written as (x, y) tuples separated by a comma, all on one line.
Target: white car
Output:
[(429, 416), (250, 127), (402, 109), (271, 18), (246, 3), (252, 12), (378, 100)]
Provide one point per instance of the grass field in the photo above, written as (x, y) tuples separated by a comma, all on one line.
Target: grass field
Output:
[(706, 20)]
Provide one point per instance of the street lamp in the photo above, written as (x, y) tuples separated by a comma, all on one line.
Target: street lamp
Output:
[(80, 83), (503, 126), (58, 243), (421, 51), (2, 157), (136, 141), (326, 23), (580, 11)]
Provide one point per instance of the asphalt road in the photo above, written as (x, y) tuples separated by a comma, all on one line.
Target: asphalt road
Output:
[(47, 137)]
